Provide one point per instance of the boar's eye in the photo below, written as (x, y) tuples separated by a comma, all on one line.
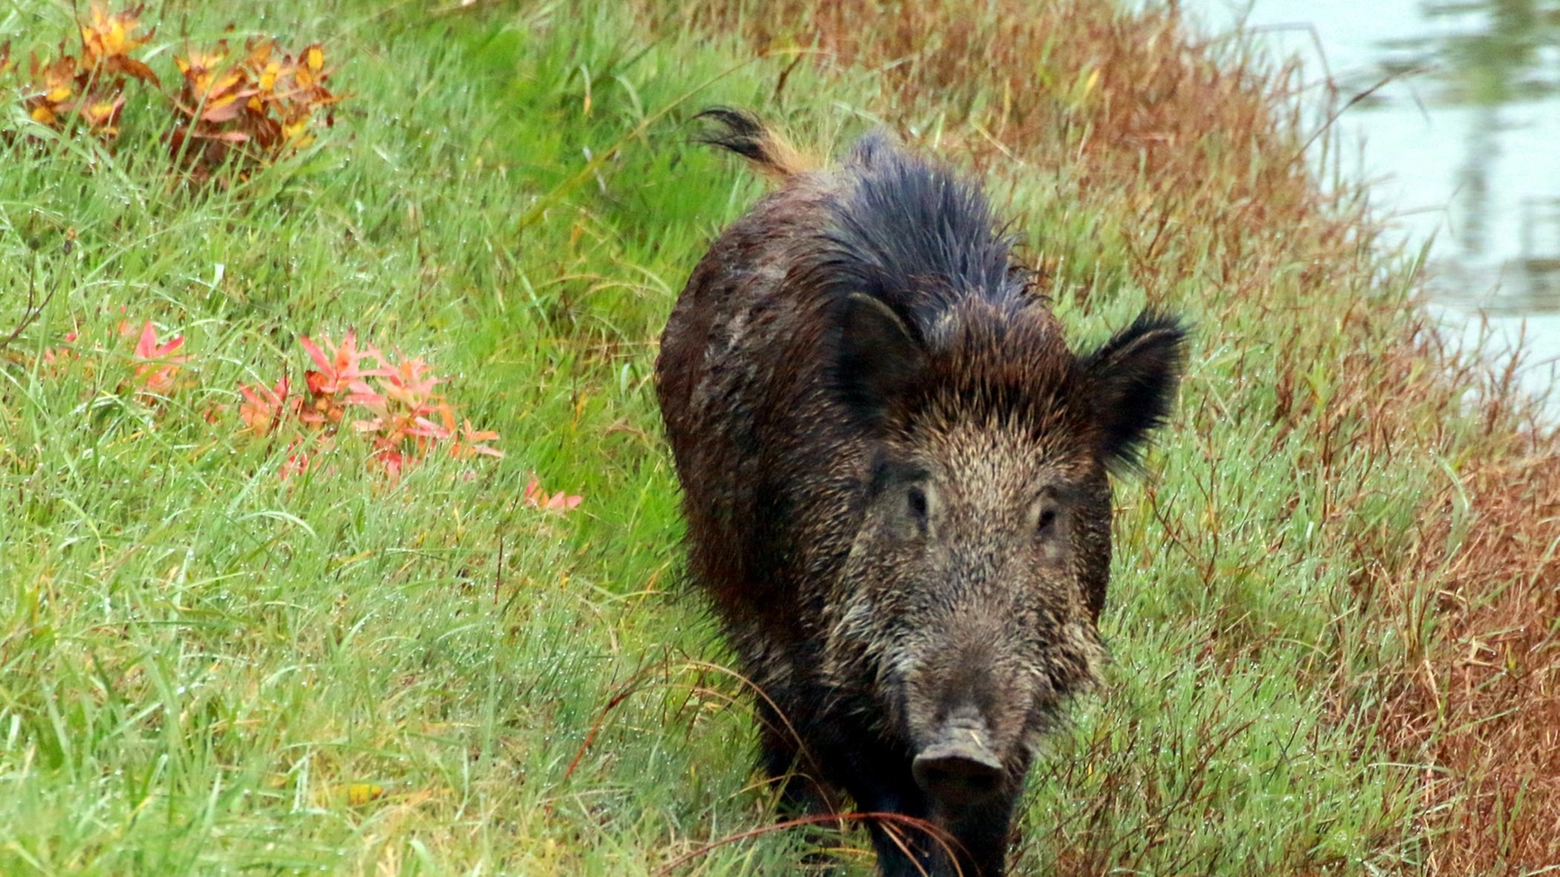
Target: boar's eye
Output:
[(1045, 517), (916, 504), (907, 497)]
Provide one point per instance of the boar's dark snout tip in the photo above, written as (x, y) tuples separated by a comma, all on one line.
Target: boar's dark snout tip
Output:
[(958, 772)]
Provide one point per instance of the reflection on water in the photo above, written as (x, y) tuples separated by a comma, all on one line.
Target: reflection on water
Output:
[(1497, 53), (1462, 142)]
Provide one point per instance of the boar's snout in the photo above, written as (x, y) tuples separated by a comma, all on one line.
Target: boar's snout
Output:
[(958, 767)]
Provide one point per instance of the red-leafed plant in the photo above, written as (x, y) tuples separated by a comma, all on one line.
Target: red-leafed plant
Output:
[(393, 404)]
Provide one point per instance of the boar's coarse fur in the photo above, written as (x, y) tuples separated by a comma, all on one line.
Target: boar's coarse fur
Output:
[(895, 484)]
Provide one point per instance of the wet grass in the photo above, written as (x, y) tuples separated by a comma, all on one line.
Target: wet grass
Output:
[(207, 668)]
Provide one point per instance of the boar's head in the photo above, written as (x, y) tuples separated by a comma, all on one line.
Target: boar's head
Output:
[(969, 597)]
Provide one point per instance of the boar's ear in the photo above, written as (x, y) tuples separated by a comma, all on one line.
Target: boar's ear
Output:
[(880, 361), (1133, 380)]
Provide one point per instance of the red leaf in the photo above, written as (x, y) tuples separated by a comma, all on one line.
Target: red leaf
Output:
[(393, 461), (536, 497), (154, 379), (409, 384), (148, 348), (341, 368)]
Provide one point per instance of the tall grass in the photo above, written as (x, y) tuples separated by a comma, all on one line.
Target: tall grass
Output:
[(206, 667)]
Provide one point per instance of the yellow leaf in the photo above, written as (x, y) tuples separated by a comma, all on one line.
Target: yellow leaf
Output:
[(105, 36), (101, 113), (294, 130), (359, 794), (229, 81), (221, 109), (259, 49)]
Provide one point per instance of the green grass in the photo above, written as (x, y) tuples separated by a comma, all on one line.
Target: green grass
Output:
[(200, 660)]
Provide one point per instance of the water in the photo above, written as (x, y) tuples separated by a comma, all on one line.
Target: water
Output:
[(1461, 143)]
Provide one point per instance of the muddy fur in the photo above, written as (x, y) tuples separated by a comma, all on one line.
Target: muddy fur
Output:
[(895, 478)]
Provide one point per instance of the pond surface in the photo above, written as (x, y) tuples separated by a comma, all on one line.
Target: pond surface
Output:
[(1458, 129)]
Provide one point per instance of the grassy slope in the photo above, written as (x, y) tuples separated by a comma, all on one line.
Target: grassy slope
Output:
[(198, 661)]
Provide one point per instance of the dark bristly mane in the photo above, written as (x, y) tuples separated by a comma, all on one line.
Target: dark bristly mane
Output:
[(905, 230), (914, 235)]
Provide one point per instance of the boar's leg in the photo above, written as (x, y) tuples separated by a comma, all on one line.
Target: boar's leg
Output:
[(976, 833), (878, 777), (979, 844), (981, 837), (802, 792)]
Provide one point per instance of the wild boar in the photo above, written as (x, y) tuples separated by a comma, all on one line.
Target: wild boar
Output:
[(895, 482)]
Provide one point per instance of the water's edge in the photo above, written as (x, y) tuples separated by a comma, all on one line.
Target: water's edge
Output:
[(1459, 136)]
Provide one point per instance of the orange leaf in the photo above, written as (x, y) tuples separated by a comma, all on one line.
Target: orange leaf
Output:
[(562, 503), (393, 461), (295, 464), (201, 63), (134, 68), (225, 136), (422, 427), (221, 110), (258, 51), (536, 497), (410, 384), (51, 88), (262, 411), (103, 116), (471, 442)]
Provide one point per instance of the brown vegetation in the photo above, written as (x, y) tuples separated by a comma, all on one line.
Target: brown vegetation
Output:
[(1198, 151)]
